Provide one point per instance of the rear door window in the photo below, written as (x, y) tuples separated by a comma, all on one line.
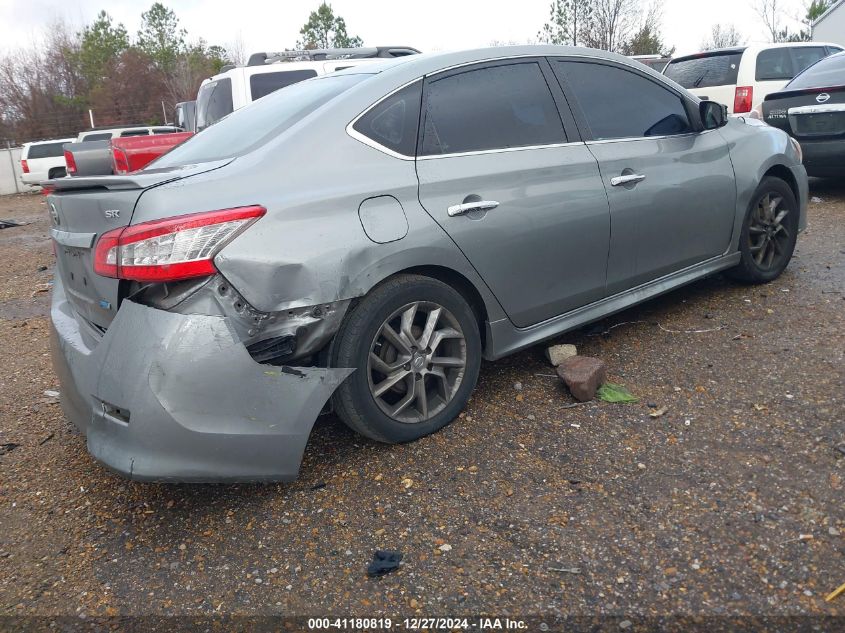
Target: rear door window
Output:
[(45, 150), (805, 56), (393, 123), (618, 103), (214, 101), (494, 107), (262, 84), (774, 64), (706, 71)]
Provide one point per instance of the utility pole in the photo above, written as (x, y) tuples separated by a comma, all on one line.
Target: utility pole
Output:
[(91, 116), (164, 112)]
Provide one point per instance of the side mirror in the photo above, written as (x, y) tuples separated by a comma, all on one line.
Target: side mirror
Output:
[(713, 115)]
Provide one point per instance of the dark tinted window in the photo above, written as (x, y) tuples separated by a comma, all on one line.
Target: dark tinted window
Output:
[(135, 133), (828, 72), (45, 150), (214, 101), (773, 64), (618, 103), (394, 122), (720, 69), (490, 108), (805, 56), (260, 121), (262, 84), (98, 136)]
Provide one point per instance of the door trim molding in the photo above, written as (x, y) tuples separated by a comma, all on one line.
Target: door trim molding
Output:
[(504, 338)]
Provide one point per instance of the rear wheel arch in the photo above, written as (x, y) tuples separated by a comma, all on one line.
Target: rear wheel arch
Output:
[(783, 173)]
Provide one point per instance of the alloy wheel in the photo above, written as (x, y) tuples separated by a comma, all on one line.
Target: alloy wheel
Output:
[(417, 361), (768, 234)]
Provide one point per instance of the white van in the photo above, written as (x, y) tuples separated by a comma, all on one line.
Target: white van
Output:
[(43, 160), (108, 133), (237, 86), (741, 77)]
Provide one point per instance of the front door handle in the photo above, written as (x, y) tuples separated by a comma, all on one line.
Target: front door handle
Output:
[(466, 207), (627, 179)]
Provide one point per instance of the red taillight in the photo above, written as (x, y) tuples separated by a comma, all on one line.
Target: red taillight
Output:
[(24, 167), (120, 161), (70, 162), (175, 248), (743, 98)]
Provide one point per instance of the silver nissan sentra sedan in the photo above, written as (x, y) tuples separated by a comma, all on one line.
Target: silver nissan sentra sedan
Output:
[(363, 239)]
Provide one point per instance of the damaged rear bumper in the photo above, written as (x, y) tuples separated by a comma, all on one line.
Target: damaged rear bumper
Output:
[(172, 397)]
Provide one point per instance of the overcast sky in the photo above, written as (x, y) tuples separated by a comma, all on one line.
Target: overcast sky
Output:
[(425, 24)]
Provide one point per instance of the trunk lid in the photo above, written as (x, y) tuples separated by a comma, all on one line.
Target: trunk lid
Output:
[(82, 209), (808, 115)]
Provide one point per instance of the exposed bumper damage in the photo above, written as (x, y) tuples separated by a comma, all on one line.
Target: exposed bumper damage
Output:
[(167, 396)]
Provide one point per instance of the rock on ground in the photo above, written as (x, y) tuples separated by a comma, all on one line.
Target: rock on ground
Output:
[(559, 353), (583, 375)]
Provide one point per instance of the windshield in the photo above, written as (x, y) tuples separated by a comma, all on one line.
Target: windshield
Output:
[(719, 69), (823, 74), (214, 101), (252, 126)]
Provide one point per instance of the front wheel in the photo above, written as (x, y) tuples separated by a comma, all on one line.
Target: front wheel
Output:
[(415, 344), (769, 232)]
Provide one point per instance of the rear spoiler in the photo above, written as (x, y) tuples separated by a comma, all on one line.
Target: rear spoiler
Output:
[(138, 180)]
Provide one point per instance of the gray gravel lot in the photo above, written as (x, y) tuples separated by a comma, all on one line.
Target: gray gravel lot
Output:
[(729, 504)]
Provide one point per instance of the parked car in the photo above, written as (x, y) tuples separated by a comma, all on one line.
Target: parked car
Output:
[(123, 131), (741, 77), (186, 116), (237, 86), (472, 204), (132, 154), (811, 109), (42, 160), (655, 62), (130, 148)]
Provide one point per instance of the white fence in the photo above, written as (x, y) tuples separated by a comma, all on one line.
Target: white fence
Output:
[(10, 171)]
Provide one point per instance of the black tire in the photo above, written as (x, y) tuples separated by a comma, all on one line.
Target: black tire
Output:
[(362, 332), (760, 236)]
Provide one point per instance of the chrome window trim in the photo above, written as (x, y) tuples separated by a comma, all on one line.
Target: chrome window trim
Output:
[(366, 140), (645, 138), (499, 151), (816, 109)]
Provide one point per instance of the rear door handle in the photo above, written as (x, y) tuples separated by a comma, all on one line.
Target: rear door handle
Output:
[(617, 181), (466, 207)]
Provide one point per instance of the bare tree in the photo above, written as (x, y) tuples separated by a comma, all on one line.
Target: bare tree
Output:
[(722, 36), (612, 24), (236, 51)]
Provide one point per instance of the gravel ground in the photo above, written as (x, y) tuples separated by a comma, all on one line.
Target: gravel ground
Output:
[(731, 503)]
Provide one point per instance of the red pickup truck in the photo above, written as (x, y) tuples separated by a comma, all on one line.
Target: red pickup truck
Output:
[(131, 153)]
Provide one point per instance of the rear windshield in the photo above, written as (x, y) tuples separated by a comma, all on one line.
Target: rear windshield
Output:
[(45, 150), (257, 123), (718, 69), (214, 101), (827, 73), (98, 136), (262, 84)]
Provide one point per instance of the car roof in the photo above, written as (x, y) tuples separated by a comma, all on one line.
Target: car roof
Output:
[(52, 140)]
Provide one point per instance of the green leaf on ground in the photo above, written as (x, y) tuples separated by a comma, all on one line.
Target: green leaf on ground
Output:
[(610, 392)]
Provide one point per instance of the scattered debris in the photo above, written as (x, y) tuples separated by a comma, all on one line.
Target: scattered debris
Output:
[(556, 354), (599, 332), (816, 200), (670, 331), (835, 592), (801, 537), (50, 393), (319, 485), (833, 531), (517, 386), (610, 392), (625, 624), (8, 447), (407, 482), (566, 570), (42, 288), (42, 268), (658, 412), (445, 547), (583, 375), (7, 224), (384, 562), (46, 439)]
